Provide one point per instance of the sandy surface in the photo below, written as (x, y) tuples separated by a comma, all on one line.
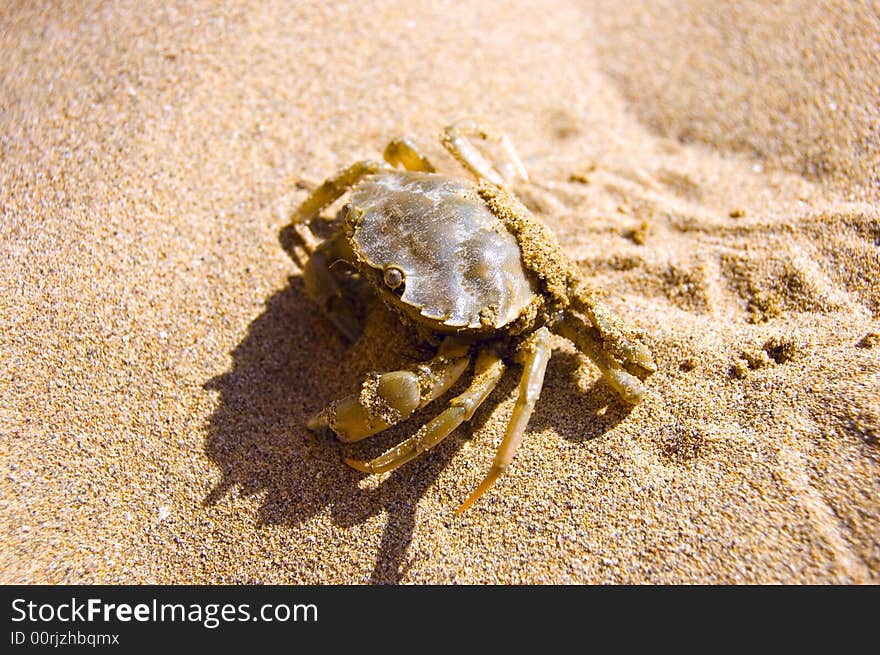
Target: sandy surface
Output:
[(715, 170)]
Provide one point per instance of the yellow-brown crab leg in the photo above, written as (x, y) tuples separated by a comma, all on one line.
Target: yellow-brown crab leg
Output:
[(456, 139), (589, 341), (405, 152), (334, 187), (388, 398), (488, 371), (536, 355), (632, 353)]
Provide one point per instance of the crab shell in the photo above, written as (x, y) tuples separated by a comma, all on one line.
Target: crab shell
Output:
[(462, 269)]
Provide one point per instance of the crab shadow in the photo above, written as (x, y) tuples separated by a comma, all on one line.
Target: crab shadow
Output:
[(578, 405), (290, 364)]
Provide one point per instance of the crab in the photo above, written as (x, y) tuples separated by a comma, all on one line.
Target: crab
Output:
[(468, 269)]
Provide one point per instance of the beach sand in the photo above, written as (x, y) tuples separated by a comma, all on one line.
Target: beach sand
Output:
[(714, 170)]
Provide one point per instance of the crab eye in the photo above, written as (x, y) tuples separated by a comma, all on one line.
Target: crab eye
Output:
[(393, 277)]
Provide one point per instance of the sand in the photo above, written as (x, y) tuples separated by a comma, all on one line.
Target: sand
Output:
[(715, 170)]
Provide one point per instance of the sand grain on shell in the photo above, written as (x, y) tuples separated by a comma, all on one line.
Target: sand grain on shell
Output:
[(159, 359)]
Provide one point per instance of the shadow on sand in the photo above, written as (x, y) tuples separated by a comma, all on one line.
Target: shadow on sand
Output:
[(290, 364)]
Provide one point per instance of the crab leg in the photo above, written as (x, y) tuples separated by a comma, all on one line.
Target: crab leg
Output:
[(404, 151), (334, 187), (633, 354), (589, 341), (536, 356), (457, 140), (388, 398), (488, 371)]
